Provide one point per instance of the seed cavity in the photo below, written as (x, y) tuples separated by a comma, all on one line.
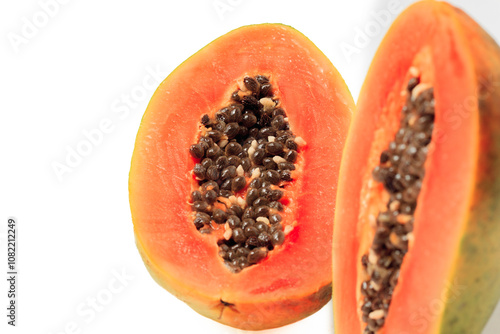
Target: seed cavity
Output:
[(244, 158), (401, 171)]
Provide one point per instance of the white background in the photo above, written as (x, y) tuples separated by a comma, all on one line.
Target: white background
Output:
[(68, 76)]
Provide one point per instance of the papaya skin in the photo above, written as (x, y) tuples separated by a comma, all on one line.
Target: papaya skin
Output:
[(269, 294), (450, 278), (248, 316), (477, 266)]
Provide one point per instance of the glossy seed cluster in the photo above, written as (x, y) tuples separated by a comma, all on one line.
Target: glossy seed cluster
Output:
[(401, 171), (244, 158)]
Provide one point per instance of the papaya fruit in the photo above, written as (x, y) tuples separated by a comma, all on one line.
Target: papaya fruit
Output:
[(417, 221), (233, 177)]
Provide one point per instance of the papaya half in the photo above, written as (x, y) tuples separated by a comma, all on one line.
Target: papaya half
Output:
[(233, 177), (417, 227)]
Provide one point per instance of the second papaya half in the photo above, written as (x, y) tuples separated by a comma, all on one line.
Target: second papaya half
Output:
[(417, 227)]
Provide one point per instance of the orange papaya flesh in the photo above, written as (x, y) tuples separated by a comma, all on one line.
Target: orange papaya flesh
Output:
[(294, 280), (449, 281)]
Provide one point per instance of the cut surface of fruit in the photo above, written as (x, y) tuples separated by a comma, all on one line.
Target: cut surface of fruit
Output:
[(189, 204), (248, 163), (416, 230)]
